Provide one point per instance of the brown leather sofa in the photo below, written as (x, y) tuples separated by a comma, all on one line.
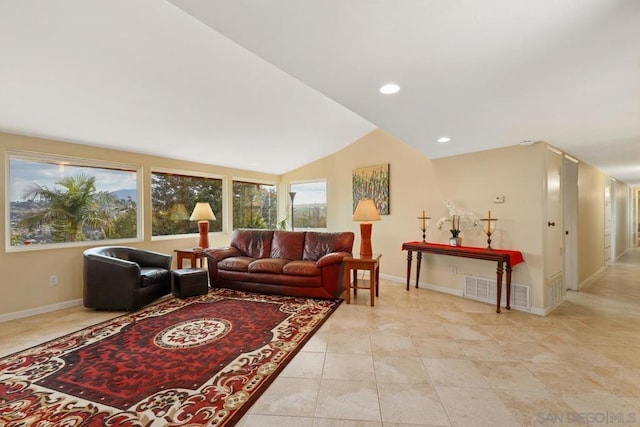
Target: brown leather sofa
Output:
[(124, 278), (294, 263)]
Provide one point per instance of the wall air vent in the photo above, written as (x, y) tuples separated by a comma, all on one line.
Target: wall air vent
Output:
[(484, 289)]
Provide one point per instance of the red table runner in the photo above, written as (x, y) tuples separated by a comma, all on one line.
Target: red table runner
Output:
[(515, 257)]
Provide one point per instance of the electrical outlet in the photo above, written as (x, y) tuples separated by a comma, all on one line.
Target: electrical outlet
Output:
[(454, 270), (53, 280)]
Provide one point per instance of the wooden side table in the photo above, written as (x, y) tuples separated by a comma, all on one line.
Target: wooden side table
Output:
[(372, 264), (192, 254)]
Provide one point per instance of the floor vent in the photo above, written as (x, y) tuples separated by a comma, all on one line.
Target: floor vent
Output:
[(483, 289)]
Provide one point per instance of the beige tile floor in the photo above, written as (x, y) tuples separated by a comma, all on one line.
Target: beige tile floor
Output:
[(422, 358)]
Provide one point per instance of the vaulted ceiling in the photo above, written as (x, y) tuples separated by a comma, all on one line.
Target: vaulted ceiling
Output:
[(272, 85)]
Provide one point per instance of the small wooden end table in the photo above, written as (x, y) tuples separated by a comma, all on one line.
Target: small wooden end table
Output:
[(192, 254), (372, 264)]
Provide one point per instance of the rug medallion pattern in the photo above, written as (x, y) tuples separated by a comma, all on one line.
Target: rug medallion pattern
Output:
[(200, 361)]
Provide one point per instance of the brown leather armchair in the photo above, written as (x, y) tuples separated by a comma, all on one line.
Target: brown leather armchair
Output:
[(124, 278)]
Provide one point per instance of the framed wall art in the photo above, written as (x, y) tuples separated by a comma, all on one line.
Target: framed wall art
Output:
[(372, 182)]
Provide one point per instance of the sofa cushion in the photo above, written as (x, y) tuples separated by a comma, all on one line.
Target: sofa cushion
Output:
[(317, 245), (253, 243), (301, 268), (287, 244), (151, 275), (236, 263), (268, 265)]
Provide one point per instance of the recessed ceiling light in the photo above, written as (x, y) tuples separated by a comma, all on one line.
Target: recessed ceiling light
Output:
[(389, 88), (444, 139)]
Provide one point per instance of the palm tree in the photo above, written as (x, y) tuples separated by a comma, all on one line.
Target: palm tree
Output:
[(71, 209)]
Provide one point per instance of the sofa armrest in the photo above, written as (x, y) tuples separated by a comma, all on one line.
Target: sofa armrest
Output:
[(332, 258), (218, 254), (107, 271), (214, 256)]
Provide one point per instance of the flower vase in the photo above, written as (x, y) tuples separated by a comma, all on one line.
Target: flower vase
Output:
[(455, 241)]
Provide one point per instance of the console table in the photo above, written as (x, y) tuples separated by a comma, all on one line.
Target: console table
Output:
[(504, 258)]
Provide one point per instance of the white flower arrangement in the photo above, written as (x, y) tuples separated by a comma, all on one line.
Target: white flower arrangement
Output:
[(460, 220)]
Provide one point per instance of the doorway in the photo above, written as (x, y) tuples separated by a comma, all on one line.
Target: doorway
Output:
[(570, 187)]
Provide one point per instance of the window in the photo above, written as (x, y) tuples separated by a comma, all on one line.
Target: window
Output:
[(173, 197), (62, 200), (310, 204), (254, 205)]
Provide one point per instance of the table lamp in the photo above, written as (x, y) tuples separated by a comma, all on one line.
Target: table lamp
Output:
[(203, 214), (366, 212)]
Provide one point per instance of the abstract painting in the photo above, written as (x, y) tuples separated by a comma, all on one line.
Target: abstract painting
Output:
[(372, 182)]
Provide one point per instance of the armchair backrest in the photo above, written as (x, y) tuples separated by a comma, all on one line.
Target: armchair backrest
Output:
[(142, 257), (120, 252)]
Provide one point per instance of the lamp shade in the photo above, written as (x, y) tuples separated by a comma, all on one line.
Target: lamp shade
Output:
[(202, 212), (366, 211)]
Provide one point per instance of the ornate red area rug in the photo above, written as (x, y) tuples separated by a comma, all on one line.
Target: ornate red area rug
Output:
[(195, 362)]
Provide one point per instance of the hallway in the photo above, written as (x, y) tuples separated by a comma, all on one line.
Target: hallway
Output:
[(615, 293)]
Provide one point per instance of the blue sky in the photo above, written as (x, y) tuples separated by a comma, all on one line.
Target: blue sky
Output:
[(314, 192), (24, 173)]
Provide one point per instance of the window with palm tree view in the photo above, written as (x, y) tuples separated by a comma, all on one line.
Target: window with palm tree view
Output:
[(254, 205), (173, 197), (56, 200)]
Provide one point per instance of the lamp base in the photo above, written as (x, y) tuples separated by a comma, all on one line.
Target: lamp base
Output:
[(365, 240), (203, 228)]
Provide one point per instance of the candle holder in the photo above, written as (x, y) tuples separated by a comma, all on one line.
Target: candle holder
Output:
[(425, 224), (488, 229)]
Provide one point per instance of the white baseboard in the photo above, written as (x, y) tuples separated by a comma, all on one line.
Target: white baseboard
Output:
[(534, 310), (540, 311), (423, 285), (40, 310), (393, 278), (443, 289), (548, 310), (586, 282)]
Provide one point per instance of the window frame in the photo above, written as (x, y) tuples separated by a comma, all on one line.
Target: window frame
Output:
[(193, 174), (41, 157)]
